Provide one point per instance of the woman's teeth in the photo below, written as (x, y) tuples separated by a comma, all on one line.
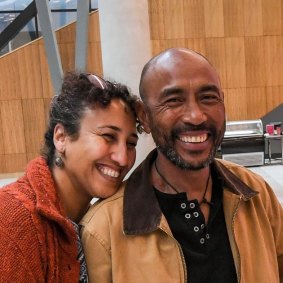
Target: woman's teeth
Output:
[(109, 172)]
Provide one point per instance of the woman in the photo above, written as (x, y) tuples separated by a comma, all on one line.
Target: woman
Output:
[(89, 148)]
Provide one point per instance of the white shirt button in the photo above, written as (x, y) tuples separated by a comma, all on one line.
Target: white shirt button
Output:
[(183, 205), (192, 205), (196, 214), (188, 215)]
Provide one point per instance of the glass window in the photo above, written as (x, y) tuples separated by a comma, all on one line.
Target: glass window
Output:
[(63, 12)]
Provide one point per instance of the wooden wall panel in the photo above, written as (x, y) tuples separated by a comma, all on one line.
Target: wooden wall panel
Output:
[(9, 72), (47, 88), (273, 47), (233, 18), (214, 18), (215, 51), (157, 45), (46, 103), (272, 17), (94, 28), (67, 52), (2, 151), (253, 17), (94, 62), (256, 102), (236, 104), (274, 97), (13, 126), (194, 18), (15, 162), (34, 123), (255, 61), (197, 44), (235, 59), (68, 36), (2, 163), (156, 19), (173, 19), (29, 88)]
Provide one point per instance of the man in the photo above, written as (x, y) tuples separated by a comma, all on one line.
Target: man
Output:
[(184, 216)]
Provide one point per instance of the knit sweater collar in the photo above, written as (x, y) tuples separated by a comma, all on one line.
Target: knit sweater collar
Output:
[(48, 203)]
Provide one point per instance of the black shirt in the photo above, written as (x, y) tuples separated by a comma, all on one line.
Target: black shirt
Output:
[(206, 248)]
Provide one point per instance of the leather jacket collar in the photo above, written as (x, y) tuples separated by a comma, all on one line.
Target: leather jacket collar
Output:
[(142, 213)]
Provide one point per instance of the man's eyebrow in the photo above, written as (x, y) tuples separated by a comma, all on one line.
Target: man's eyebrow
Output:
[(117, 129), (172, 90), (206, 88)]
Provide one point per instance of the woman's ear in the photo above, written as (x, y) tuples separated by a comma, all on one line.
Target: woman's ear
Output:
[(143, 117), (59, 138)]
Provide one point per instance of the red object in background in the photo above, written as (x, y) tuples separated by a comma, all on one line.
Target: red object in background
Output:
[(270, 129)]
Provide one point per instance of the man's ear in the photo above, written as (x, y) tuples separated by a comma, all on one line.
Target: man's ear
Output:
[(143, 116), (60, 138)]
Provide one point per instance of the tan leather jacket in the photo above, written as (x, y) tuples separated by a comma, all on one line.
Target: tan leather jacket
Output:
[(127, 239)]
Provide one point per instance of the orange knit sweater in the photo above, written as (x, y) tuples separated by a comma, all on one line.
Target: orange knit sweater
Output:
[(37, 242)]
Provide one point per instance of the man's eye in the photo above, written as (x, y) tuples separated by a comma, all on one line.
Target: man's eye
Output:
[(173, 101), (210, 98)]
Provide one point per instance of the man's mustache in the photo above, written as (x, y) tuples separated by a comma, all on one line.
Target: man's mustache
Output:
[(190, 128)]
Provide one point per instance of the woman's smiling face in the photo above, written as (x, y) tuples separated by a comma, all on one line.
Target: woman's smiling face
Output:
[(98, 160)]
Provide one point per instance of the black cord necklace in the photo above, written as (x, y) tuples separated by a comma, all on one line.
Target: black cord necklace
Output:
[(203, 200)]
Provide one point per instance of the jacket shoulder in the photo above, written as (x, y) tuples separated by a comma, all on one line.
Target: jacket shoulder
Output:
[(254, 181), (104, 209), (249, 177)]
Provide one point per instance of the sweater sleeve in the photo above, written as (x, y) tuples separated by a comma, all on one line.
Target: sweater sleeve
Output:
[(20, 249), (14, 264)]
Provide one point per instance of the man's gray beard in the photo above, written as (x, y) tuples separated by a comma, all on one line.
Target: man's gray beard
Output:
[(178, 161)]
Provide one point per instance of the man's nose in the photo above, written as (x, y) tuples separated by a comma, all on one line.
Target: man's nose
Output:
[(193, 113)]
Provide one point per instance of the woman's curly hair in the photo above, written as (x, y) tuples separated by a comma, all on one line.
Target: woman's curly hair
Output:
[(80, 91)]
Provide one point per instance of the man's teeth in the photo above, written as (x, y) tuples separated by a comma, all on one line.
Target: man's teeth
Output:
[(194, 139), (110, 172)]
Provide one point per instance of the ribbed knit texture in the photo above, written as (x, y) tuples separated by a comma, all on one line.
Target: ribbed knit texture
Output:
[(37, 242)]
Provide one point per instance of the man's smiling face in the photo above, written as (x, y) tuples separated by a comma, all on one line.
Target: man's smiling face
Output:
[(185, 109)]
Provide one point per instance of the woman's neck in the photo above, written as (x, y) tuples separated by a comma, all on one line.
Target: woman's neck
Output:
[(74, 202)]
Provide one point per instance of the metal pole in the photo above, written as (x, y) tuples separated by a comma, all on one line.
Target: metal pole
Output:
[(51, 47), (82, 34)]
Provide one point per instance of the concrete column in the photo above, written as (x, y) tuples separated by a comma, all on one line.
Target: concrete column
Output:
[(125, 44)]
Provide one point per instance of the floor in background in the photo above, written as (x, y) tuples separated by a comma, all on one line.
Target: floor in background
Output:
[(272, 173)]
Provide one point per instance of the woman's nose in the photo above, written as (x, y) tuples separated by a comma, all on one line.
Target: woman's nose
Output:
[(120, 155)]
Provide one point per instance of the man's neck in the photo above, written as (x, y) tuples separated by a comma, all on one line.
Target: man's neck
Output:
[(170, 179)]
